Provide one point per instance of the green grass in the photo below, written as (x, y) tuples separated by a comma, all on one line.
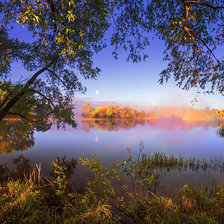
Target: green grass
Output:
[(35, 199)]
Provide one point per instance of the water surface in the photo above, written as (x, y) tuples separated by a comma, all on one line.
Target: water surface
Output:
[(114, 140)]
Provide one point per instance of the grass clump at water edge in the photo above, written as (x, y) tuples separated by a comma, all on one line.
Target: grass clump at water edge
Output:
[(35, 199)]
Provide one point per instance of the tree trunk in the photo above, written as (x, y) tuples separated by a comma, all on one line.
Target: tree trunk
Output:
[(22, 92)]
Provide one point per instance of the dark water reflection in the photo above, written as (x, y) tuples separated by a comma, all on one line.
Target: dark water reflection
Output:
[(15, 136), (109, 139)]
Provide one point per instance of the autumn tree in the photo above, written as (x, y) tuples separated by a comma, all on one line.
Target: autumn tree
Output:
[(112, 112), (219, 113), (141, 114), (86, 110)]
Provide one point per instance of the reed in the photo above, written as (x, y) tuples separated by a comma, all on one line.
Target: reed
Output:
[(162, 161), (29, 200)]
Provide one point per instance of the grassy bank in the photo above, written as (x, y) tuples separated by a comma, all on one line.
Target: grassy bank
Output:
[(33, 198)]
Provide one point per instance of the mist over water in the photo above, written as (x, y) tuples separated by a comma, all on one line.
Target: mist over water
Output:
[(114, 139)]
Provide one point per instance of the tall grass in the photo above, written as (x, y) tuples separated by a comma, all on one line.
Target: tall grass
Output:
[(35, 199), (162, 161)]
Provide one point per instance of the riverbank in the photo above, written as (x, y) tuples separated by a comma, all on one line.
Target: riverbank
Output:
[(34, 198)]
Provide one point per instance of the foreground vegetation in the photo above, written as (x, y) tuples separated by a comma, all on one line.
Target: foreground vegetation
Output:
[(33, 198)]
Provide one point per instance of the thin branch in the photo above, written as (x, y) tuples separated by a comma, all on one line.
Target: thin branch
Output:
[(41, 94), (194, 41), (204, 4), (188, 30), (19, 115), (54, 74), (24, 118), (21, 93), (207, 48)]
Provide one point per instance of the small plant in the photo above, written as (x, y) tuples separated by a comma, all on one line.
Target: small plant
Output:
[(62, 173)]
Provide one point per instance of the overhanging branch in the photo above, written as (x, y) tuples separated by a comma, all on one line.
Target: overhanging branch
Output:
[(17, 114), (21, 93), (204, 4), (54, 74), (41, 94), (190, 32)]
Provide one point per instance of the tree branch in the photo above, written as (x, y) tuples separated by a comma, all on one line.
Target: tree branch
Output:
[(194, 41), (41, 94), (5, 100), (204, 4), (17, 114), (21, 93), (31, 121), (54, 74), (207, 48), (21, 116), (188, 30)]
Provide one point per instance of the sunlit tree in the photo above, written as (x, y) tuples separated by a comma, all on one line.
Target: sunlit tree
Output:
[(86, 110)]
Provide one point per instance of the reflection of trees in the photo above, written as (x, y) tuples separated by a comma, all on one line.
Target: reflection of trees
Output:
[(22, 166), (164, 124), (18, 135), (111, 125), (15, 136), (104, 125), (220, 130)]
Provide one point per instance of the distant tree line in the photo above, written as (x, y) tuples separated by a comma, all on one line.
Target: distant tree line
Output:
[(114, 111)]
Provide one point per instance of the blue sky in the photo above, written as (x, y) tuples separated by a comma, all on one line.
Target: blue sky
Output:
[(130, 83), (134, 83)]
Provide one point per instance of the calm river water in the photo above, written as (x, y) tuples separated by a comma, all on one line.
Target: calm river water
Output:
[(111, 140)]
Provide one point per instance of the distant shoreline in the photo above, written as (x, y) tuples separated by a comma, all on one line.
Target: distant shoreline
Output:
[(120, 119), (160, 118)]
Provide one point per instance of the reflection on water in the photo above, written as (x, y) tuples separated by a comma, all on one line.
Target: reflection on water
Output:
[(18, 135), (109, 139), (15, 136), (126, 124), (21, 166), (111, 125), (220, 129)]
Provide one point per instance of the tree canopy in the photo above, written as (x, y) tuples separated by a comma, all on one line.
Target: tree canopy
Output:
[(67, 34)]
